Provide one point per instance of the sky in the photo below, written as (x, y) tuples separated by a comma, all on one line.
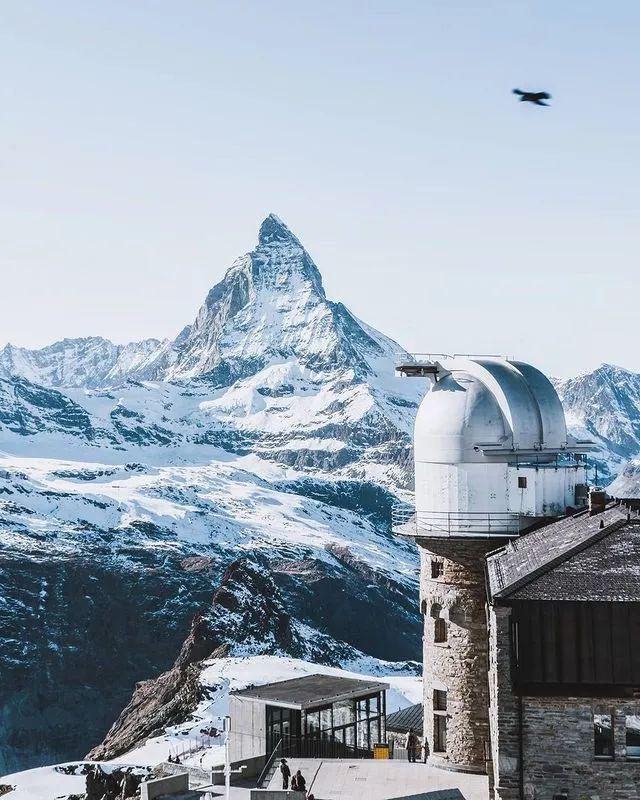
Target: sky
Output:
[(142, 143)]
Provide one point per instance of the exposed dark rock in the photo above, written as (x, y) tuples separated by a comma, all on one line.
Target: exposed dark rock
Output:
[(117, 784), (245, 608)]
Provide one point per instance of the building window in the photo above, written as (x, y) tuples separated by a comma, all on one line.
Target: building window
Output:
[(423, 607), (603, 735), (522, 482), (440, 631), (436, 568), (632, 735), (439, 733), (439, 700)]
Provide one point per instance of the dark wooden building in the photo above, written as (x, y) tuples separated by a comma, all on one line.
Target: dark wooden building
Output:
[(564, 641)]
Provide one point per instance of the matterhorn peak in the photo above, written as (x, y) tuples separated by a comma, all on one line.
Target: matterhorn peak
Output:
[(273, 229)]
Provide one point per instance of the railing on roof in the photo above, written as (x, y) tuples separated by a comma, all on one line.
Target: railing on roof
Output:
[(407, 521), (425, 358)]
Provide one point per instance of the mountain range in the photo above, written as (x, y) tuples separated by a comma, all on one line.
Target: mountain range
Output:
[(271, 433)]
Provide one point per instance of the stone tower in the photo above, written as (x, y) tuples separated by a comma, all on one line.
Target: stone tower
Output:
[(492, 457)]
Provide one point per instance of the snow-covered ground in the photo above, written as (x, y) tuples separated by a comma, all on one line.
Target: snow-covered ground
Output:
[(44, 783), (50, 783)]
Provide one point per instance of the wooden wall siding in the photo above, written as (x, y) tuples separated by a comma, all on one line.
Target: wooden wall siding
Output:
[(577, 643)]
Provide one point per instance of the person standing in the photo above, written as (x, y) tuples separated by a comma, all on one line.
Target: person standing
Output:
[(425, 750), (410, 744), (286, 773)]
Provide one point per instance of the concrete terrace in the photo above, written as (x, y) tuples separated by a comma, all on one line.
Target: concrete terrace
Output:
[(370, 779)]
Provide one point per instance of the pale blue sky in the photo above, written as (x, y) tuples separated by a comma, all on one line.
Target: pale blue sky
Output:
[(142, 142)]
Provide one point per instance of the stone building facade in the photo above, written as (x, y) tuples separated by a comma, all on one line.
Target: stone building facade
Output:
[(546, 715), (456, 692)]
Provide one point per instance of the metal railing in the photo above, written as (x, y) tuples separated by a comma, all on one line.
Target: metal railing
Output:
[(425, 358), (276, 753), (407, 521), (194, 744), (299, 747), (419, 358)]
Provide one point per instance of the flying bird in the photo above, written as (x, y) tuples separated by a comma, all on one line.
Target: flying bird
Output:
[(537, 98)]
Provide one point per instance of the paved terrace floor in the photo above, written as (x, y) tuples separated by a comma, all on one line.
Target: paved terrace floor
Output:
[(372, 779)]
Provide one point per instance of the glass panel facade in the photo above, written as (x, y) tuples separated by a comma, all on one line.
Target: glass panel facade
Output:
[(282, 723), (354, 723), (603, 735)]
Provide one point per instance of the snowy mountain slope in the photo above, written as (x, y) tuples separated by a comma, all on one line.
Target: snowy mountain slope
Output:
[(269, 308), (103, 563), (89, 362), (627, 482), (605, 405)]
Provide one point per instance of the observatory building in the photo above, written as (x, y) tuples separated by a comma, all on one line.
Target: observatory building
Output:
[(530, 669), (492, 459)]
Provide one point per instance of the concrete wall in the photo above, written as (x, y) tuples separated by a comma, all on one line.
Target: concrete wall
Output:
[(247, 739), (460, 664), (157, 787), (274, 794), (558, 741)]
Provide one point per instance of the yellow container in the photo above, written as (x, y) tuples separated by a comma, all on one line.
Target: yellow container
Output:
[(381, 751)]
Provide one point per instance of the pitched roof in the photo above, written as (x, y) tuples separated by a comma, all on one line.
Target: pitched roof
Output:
[(401, 721), (311, 690), (553, 563)]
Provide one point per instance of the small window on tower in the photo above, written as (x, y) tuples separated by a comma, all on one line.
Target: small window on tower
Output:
[(439, 733), (440, 631), (436, 568), (522, 482), (439, 700)]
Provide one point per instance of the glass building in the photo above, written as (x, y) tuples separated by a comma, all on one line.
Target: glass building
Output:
[(345, 712)]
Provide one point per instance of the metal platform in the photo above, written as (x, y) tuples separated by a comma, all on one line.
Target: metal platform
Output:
[(407, 521)]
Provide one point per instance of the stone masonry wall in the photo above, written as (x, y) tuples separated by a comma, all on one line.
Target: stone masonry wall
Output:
[(558, 740), (461, 663)]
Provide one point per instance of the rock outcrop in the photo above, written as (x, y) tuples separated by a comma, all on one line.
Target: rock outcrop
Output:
[(246, 608)]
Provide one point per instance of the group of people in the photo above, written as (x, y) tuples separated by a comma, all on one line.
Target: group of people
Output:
[(298, 783), (415, 747)]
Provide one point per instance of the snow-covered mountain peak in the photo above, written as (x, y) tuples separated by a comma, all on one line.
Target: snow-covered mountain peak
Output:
[(271, 306), (273, 229)]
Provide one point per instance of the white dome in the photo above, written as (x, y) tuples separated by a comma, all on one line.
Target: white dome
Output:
[(455, 415), (485, 406)]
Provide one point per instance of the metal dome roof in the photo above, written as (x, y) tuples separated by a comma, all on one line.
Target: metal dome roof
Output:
[(488, 407)]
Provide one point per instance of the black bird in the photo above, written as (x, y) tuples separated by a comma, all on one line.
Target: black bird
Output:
[(533, 97)]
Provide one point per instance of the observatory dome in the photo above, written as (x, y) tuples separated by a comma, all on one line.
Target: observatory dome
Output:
[(491, 449), (453, 417), (485, 407)]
